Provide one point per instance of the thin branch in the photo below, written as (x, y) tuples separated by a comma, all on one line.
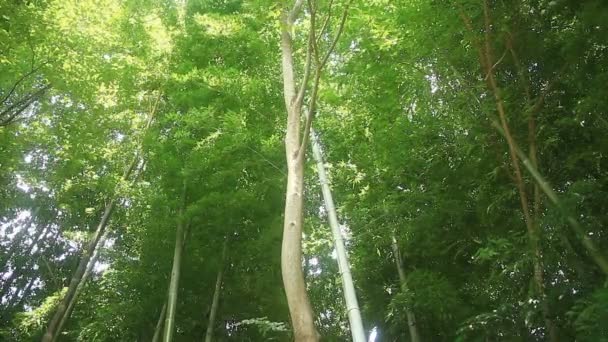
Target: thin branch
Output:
[(8, 115), (295, 11), (313, 97), (338, 34), (495, 65), (310, 114), (28, 74), (326, 22), (307, 67)]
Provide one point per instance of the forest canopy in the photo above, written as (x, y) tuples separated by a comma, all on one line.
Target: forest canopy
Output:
[(335, 170)]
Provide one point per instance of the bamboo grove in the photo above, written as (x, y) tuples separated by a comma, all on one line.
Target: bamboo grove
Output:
[(303, 170)]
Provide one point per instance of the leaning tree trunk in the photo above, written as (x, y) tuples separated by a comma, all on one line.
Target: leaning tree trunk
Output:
[(175, 272), (71, 294), (216, 295), (159, 324), (348, 287), (80, 286), (411, 317), (486, 60), (62, 308)]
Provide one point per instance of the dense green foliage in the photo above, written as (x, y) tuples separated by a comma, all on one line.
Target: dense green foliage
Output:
[(409, 114)]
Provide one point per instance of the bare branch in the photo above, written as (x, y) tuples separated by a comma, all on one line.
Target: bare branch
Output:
[(338, 34), (495, 65), (295, 11), (9, 115), (307, 67), (315, 89), (26, 75), (324, 26), (311, 110)]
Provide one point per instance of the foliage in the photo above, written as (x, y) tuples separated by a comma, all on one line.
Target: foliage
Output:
[(191, 92)]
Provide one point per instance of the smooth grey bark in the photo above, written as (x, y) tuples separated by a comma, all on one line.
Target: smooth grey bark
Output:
[(175, 273), (216, 295), (348, 287), (71, 294), (159, 324), (300, 309), (80, 286), (411, 317)]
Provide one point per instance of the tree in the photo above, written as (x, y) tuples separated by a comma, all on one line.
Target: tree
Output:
[(295, 151)]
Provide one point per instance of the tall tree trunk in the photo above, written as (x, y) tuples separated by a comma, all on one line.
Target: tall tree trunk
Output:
[(348, 287), (159, 324), (216, 295), (80, 286), (486, 59), (302, 317), (175, 272), (411, 317), (70, 295), (62, 308), (300, 310)]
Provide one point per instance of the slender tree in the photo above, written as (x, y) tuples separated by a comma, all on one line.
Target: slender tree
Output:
[(72, 294), (216, 295), (488, 64), (411, 317), (159, 324), (302, 317), (175, 271), (62, 308), (348, 287), (81, 285)]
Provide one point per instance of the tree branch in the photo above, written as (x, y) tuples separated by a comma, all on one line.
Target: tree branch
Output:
[(307, 67), (28, 74), (338, 34), (295, 11), (324, 26), (315, 89)]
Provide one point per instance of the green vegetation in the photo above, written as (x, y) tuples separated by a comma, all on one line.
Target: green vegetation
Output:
[(157, 180)]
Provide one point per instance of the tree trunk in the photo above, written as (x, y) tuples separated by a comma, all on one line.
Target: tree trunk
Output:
[(350, 297), (302, 317), (594, 251), (216, 295), (80, 286), (159, 324), (411, 317), (61, 310), (486, 60), (175, 272)]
